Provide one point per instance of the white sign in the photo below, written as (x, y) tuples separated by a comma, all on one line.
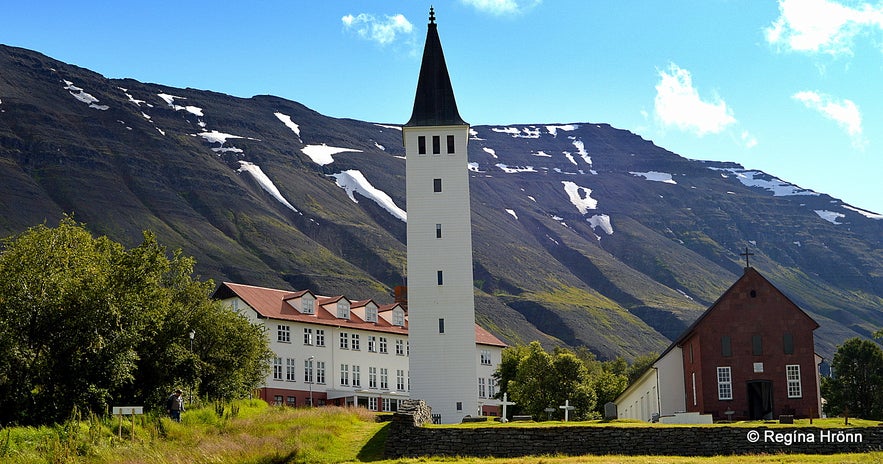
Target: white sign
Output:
[(127, 410)]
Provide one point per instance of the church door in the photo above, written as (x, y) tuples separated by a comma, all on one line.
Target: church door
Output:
[(760, 399)]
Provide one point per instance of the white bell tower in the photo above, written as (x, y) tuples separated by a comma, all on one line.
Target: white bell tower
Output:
[(441, 305)]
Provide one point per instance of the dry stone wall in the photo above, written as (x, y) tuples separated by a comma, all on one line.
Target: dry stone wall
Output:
[(407, 440)]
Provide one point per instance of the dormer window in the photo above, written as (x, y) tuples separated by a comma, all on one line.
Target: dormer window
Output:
[(371, 314), (343, 309), (398, 317), (308, 304)]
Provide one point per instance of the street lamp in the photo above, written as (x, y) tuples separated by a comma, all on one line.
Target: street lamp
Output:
[(310, 382), (192, 336)]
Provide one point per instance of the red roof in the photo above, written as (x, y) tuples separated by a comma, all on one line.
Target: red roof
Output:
[(271, 303)]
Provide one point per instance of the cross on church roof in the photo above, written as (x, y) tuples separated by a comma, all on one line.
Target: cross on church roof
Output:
[(431, 15), (746, 255)]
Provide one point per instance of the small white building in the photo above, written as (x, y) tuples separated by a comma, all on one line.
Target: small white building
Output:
[(333, 350), (658, 392)]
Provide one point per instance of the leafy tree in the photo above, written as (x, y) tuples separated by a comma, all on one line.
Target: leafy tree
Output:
[(857, 386), (639, 365), (85, 322)]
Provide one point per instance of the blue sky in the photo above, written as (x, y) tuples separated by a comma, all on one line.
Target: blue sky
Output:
[(794, 87)]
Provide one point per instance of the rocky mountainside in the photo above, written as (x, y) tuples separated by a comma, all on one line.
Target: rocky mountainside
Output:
[(584, 234)]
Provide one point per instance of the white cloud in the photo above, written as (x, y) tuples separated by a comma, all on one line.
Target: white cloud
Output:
[(383, 30), (748, 140), (502, 7), (844, 112), (678, 104), (822, 26)]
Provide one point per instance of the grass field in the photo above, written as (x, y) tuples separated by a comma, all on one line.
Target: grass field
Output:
[(252, 432)]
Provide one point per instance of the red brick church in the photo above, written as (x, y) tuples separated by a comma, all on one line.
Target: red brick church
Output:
[(749, 356)]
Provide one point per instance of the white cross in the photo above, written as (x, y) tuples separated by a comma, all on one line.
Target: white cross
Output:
[(567, 408), (505, 403)]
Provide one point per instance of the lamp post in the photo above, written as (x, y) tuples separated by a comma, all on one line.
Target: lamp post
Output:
[(310, 383), (192, 336)]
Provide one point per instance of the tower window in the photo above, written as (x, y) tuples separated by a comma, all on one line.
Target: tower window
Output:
[(436, 144), (441, 326), (726, 348), (438, 231), (756, 345), (439, 276), (450, 144), (421, 145), (436, 185), (788, 343)]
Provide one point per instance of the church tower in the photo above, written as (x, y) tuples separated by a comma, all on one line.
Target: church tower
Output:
[(441, 305)]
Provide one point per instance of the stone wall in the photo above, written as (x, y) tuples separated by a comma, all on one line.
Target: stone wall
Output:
[(497, 440)]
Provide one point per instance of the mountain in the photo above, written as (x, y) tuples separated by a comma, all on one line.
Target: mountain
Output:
[(584, 234)]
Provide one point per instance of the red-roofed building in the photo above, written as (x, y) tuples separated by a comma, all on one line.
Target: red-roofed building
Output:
[(333, 350)]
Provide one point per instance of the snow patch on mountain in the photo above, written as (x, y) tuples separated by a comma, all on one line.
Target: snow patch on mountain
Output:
[(864, 213), (323, 154), (581, 150), (779, 187), (655, 176), (541, 154), (353, 180), (286, 119), (830, 216), (581, 197), (530, 132), (602, 221), (490, 151), (258, 174), (553, 130), (512, 212), (472, 166), (84, 97), (512, 170), (170, 100)]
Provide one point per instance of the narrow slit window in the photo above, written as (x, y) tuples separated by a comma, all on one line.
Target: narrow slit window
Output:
[(788, 343), (436, 185), (441, 326), (436, 144), (438, 231), (421, 145), (726, 346), (440, 278), (756, 345), (450, 144)]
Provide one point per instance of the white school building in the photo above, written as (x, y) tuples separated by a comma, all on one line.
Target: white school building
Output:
[(337, 351)]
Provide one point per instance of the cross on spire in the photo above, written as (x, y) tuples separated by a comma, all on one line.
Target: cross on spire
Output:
[(746, 255), (431, 15)]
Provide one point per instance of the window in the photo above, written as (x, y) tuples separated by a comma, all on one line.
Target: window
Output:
[(450, 144), (308, 336), (371, 314), (290, 367), (486, 357), (398, 317), (357, 376), (372, 343), (756, 345), (400, 379), (387, 404), (724, 383), (792, 373), (383, 349), (344, 341), (291, 401), (459, 405), (320, 371), (320, 337), (372, 377), (384, 378), (400, 347), (693, 382), (726, 348), (436, 144), (441, 325), (438, 231), (436, 185), (788, 343), (372, 403), (439, 277), (343, 309), (344, 375), (421, 145), (308, 304), (283, 333), (277, 368), (308, 370), (491, 387), (482, 391), (277, 400), (355, 342)]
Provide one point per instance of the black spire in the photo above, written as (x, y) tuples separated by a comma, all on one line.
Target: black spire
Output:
[(434, 103)]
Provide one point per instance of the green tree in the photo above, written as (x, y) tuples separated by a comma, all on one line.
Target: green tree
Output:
[(856, 388), (85, 323)]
